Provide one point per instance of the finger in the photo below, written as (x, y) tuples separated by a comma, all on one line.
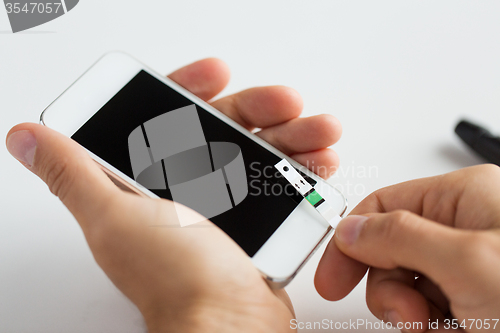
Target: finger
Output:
[(285, 298), (408, 196), (337, 274), (433, 294), (443, 198), (323, 162), (435, 314), (261, 106), (205, 78), (303, 135), (390, 296), (66, 168), (403, 239)]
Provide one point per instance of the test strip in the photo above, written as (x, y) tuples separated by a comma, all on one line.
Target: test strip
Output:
[(308, 192)]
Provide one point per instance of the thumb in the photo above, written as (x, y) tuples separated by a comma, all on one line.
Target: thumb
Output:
[(403, 239), (65, 167)]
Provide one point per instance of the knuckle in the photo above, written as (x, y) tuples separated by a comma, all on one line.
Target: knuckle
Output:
[(372, 203), (402, 216), (98, 238), (396, 222), (115, 219), (104, 245), (479, 248), (103, 232), (59, 178)]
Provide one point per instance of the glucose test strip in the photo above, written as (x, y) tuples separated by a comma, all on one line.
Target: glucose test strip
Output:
[(308, 192)]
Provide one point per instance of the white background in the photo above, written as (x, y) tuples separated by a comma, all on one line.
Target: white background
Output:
[(398, 75)]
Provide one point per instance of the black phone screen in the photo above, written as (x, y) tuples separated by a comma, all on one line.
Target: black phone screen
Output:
[(255, 218)]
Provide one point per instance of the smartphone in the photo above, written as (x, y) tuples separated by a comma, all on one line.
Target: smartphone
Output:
[(156, 139)]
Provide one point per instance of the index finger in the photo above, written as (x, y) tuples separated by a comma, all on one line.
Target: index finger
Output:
[(452, 199), (408, 196)]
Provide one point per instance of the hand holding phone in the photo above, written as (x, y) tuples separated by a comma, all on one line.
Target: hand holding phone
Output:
[(179, 278), (432, 248)]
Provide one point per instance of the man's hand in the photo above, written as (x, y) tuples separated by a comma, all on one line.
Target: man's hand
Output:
[(181, 279), (433, 247)]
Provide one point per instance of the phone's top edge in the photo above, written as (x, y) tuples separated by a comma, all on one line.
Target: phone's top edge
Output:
[(41, 120)]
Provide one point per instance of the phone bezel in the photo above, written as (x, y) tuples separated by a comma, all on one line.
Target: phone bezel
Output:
[(292, 244)]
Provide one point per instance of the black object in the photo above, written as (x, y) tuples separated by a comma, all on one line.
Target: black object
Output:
[(288, 188), (480, 140)]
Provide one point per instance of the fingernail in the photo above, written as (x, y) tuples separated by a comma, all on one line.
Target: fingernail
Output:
[(22, 145), (349, 228), (393, 317)]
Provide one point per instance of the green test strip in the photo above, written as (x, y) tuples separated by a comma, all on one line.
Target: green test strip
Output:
[(314, 198), (308, 192)]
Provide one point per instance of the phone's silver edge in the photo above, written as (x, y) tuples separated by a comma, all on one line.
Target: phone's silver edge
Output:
[(282, 283), (272, 282), (121, 183)]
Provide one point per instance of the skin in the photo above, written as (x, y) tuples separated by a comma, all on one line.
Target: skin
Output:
[(442, 229), (181, 279)]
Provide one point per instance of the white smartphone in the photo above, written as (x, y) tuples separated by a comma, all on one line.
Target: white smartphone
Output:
[(155, 138)]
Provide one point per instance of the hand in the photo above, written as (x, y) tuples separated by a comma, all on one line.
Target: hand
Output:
[(181, 279), (443, 230)]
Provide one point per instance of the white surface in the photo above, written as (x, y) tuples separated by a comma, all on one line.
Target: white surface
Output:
[(398, 75)]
